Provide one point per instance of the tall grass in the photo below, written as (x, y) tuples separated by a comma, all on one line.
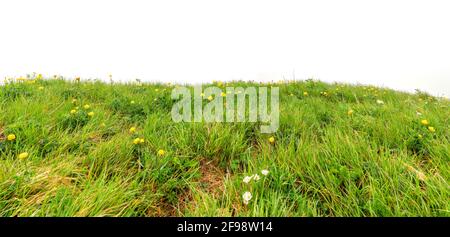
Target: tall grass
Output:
[(338, 153)]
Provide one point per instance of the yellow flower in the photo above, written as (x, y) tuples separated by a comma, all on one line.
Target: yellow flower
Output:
[(40, 88), (23, 155), (11, 137), (305, 93), (132, 129), (431, 129), (91, 114), (424, 122), (350, 112), (223, 94), (137, 141), (73, 111), (210, 98), (161, 152), (272, 140), (86, 106)]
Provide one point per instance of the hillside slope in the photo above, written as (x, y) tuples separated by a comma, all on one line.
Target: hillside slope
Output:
[(87, 148)]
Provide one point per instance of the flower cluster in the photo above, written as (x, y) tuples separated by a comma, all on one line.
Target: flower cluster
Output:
[(247, 196)]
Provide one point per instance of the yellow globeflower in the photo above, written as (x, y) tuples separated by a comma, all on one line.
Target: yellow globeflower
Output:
[(161, 152), (305, 93), (23, 155), (91, 114), (210, 98), (272, 140), (431, 129), (424, 122), (223, 94), (86, 106), (141, 140), (11, 137), (350, 112), (73, 111), (132, 129)]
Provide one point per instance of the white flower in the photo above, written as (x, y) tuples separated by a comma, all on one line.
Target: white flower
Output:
[(247, 196), (418, 113), (256, 177), (265, 172), (380, 102), (247, 179)]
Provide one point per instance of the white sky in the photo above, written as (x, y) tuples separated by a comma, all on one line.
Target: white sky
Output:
[(402, 44)]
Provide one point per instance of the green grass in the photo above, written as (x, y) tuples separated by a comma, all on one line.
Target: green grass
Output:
[(378, 161)]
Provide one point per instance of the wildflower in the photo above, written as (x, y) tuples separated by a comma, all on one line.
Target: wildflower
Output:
[(380, 102), (11, 137), (161, 152), (141, 140), (137, 141), (210, 98), (23, 155), (247, 196), (431, 129), (272, 140), (132, 129), (350, 112), (91, 114), (202, 94), (73, 111), (264, 172), (424, 122), (86, 106), (256, 177), (223, 94), (40, 88), (247, 179), (305, 93)]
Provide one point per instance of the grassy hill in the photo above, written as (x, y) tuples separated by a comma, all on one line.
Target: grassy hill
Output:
[(88, 148)]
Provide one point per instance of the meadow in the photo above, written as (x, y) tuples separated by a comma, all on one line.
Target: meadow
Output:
[(76, 147)]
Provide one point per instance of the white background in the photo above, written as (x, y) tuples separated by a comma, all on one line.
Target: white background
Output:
[(402, 44)]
